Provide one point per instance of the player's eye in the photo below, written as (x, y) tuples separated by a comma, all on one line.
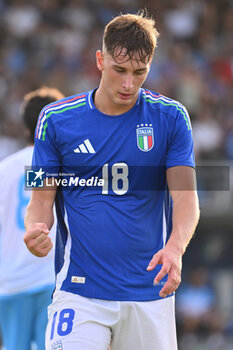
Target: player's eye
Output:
[(140, 72), (119, 70)]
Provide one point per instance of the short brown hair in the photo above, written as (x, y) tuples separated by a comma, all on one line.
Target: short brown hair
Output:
[(33, 103), (131, 34)]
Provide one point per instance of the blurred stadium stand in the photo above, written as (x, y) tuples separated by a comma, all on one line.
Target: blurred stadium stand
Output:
[(54, 43)]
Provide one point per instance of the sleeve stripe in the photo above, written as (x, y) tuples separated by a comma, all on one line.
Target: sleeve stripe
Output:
[(53, 105), (167, 101)]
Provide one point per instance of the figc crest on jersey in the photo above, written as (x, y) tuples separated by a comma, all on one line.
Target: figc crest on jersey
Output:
[(145, 137)]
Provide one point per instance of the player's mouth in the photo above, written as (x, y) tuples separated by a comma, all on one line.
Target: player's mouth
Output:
[(125, 96)]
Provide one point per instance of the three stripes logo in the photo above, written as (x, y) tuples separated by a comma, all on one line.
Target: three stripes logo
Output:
[(145, 137), (85, 147)]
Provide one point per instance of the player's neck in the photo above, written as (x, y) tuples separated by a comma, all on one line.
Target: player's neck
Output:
[(105, 105)]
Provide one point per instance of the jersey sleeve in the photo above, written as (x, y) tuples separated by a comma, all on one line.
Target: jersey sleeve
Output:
[(46, 152), (180, 140)]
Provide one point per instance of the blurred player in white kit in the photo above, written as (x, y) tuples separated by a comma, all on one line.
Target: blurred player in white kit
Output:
[(26, 281)]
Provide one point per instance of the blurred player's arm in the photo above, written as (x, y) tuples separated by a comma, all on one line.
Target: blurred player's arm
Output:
[(39, 220), (182, 187)]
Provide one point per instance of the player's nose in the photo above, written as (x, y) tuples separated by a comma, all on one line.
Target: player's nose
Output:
[(128, 82)]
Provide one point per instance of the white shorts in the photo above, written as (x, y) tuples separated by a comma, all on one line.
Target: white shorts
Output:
[(80, 323)]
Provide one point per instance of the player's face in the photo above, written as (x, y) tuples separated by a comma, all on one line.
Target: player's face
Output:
[(121, 80)]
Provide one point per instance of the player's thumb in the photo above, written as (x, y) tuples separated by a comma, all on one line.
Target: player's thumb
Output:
[(44, 227), (41, 226)]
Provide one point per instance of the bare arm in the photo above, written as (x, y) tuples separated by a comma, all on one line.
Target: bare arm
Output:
[(182, 186), (39, 220)]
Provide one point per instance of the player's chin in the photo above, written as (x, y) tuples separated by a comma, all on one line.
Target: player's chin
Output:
[(125, 101)]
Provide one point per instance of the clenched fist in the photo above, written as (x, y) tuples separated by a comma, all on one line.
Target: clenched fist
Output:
[(37, 240)]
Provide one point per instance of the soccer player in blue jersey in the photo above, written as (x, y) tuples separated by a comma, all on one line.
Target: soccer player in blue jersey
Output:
[(119, 242)]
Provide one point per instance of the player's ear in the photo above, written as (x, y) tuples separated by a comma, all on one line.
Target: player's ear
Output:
[(99, 60)]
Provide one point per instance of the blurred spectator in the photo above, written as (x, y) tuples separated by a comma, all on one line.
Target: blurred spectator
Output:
[(21, 18), (207, 134), (197, 314), (182, 18), (228, 141), (49, 42), (196, 301)]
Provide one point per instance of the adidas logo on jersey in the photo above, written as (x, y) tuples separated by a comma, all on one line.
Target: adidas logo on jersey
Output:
[(85, 147)]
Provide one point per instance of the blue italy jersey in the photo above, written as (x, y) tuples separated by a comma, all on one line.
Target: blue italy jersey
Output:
[(113, 208)]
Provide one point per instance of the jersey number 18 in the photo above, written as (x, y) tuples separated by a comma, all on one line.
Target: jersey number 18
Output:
[(120, 181)]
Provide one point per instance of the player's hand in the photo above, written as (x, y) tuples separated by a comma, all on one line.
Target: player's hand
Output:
[(37, 240), (171, 260)]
